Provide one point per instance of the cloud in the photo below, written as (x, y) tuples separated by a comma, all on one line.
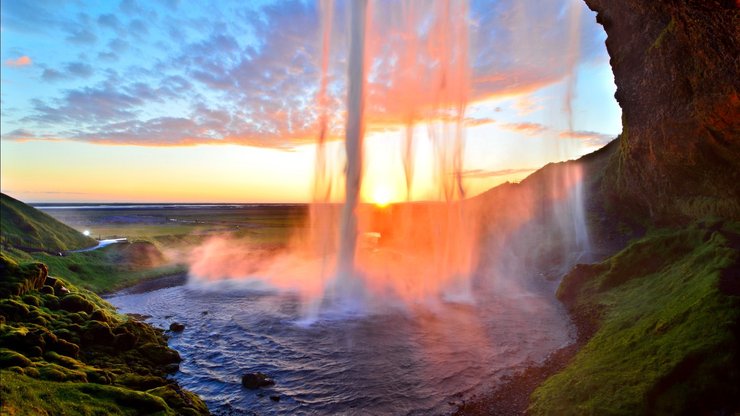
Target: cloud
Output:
[(250, 75), (528, 128), (482, 173), (109, 21), (71, 70), (474, 122), (19, 62), (82, 37), (590, 137)]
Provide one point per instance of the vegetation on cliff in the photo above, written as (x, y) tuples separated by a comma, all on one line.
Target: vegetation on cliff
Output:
[(665, 318)]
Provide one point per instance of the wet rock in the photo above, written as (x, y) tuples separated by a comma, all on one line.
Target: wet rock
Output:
[(171, 368), (138, 316), (177, 327), (254, 381)]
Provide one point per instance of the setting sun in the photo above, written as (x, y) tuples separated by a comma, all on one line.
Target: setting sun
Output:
[(381, 196)]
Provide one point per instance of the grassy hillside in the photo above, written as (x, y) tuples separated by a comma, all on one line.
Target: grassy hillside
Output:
[(665, 317), (107, 269), (63, 350), (27, 228)]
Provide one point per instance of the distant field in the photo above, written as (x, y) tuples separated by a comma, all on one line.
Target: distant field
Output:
[(162, 222)]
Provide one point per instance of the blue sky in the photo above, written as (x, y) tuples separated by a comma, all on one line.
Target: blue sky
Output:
[(179, 74)]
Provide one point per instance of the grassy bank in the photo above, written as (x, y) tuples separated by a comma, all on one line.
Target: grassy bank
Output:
[(664, 314), (107, 269), (63, 350)]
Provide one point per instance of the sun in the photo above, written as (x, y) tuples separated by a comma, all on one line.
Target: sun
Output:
[(381, 197)]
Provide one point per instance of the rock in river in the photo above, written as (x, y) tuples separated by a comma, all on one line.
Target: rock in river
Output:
[(177, 327), (256, 380)]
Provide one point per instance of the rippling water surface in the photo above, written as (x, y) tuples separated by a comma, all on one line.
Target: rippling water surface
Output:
[(421, 360)]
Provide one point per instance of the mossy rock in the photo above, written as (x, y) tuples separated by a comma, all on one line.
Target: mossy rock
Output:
[(182, 401), (49, 299), (97, 333), (31, 300), (100, 316), (13, 309), (159, 354), (51, 374), (95, 375), (22, 338), (17, 280), (10, 358), (62, 360), (142, 402), (76, 303), (140, 382), (125, 341), (67, 348)]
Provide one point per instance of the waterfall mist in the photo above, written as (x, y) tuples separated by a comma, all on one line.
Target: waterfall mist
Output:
[(413, 71)]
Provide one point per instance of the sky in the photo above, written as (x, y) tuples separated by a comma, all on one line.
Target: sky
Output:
[(176, 101)]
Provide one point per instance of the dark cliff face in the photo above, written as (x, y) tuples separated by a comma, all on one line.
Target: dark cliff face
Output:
[(677, 69)]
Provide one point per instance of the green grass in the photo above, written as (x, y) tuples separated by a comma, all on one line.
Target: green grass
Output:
[(108, 269), (74, 354), (667, 334), (26, 227), (24, 395)]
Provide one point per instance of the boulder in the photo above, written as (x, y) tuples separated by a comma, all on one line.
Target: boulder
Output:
[(177, 327), (256, 380)]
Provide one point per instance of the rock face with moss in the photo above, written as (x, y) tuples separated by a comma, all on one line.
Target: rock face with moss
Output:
[(677, 73), (664, 314), (69, 349)]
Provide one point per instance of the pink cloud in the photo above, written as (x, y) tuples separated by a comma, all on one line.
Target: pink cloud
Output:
[(20, 62), (525, 128)]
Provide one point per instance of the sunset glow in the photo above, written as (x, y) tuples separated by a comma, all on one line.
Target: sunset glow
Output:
[(381, 197), (141, 101)]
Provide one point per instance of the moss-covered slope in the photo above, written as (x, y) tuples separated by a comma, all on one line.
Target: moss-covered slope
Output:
[(665, 315), (63, 350), (27, 228)]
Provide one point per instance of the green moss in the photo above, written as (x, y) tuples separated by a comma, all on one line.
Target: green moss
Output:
[(10, 358), (75, 344), (666, 339), (24, 395)]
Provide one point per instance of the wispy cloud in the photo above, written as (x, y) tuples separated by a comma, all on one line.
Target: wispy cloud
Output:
[(19, 62), (240, 74), (531, 129), (482, 173)]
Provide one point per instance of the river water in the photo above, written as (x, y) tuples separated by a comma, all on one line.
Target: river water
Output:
[(419, 360)]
